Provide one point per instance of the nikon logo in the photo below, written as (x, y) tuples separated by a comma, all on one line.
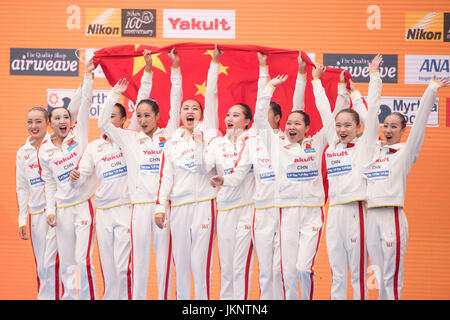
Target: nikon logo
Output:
[(99, 29), (424, 26), (103, 22), (420, 34)]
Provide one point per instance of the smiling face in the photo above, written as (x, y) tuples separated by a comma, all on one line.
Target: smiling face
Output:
[(346, 127), (36, 124), (392, 129), (146, 118), (296, 128), (60, 122), (190, 114), (235, 120)]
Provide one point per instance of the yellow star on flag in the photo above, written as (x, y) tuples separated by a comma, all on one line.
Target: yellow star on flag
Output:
[(222, 68), (201, 88), (139, 62)]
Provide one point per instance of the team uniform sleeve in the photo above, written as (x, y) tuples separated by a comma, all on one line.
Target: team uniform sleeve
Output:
[(75, 103), (22, 190), (210, 122), (299, 93), (263, 78), (81, 129), (86, 168), (240, 170), (358, 105), (342, 99), (372, 125), (49, 185), (104, 121), (143, 93), (323, 106), (176, 96), (165, 181), (417, 133), (205, 156), (261, 123)]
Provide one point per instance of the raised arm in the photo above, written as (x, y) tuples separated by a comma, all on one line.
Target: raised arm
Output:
[(323, 104), (210, 114), (104, 119), (81, 128), (372, 125), (263, 77), (176, 94), (358, 104), (144, 89), (300, 85), (343, 97), (75, 102), (417, 133)]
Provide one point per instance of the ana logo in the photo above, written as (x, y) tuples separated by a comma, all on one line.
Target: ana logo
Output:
[(103, 22), (422, 26), (419, 69)]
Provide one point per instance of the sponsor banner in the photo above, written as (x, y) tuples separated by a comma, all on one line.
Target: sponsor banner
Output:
[(102, 22), (43, 62), (138, 23), (419, 69), (424, 26), (62, 98), (206, 24), (357, 65), (446, 30), (407, 106)]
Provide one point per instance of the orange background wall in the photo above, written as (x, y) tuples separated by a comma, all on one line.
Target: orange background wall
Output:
[(313, 26)]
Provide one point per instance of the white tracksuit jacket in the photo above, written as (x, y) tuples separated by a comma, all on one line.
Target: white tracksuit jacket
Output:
[(181, 180), (142, 153), (389, 167), (345, 163), (57, 163), (107, 163), (29, 185)]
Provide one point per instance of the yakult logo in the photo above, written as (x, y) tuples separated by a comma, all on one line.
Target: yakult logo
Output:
[(207, 24), (113, 157), (64, 159)]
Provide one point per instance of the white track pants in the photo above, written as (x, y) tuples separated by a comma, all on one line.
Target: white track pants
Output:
[(114, 246), (267, 246), (75, 235), (43, 241), (234, 242), (300, 234), (192, 229), (346, 247), (387, 238), (142, 227)]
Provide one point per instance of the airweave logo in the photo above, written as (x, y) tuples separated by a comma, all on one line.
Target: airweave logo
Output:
[(424, 26), (103, 22)]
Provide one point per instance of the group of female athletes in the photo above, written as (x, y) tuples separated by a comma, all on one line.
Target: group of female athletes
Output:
[(257, 188)]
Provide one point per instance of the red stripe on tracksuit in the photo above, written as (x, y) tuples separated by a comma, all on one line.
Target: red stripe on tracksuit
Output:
[(397, 254), (361, 250), (130, 278), (211, 238), (163, 159), (247, 269), (253, 232), (311, 293), (169, 256), (88, 258)]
